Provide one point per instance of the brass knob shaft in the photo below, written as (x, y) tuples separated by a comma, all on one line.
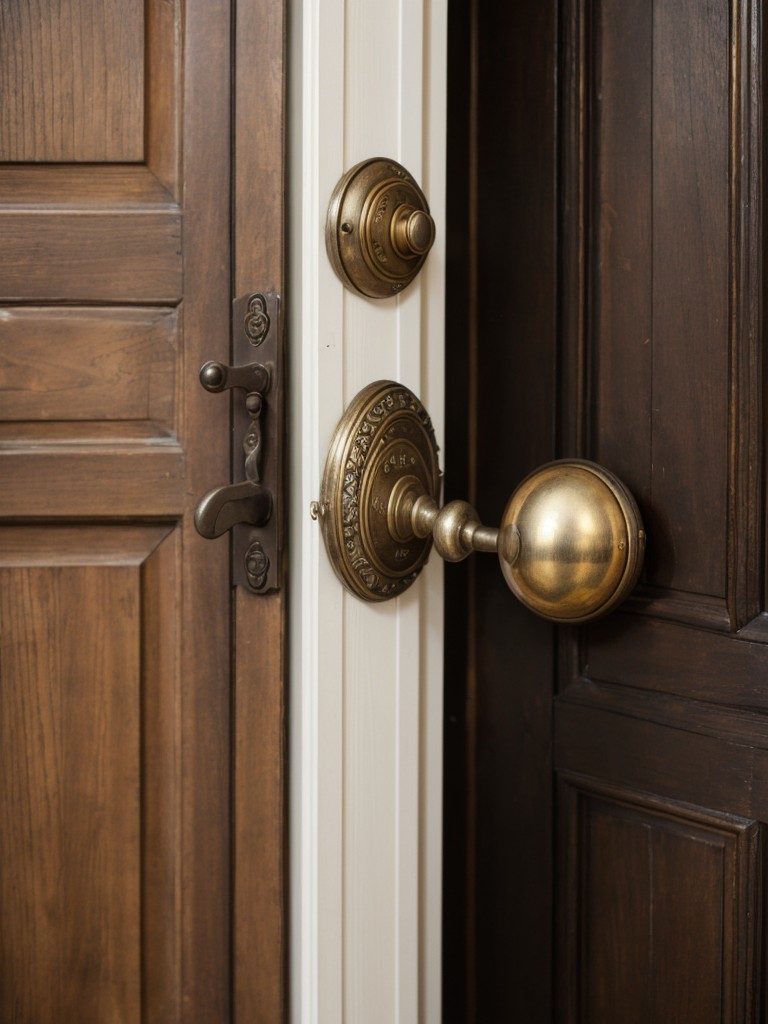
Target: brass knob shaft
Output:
[(570, 544)]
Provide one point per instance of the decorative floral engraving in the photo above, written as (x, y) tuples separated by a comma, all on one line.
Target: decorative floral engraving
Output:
[(256, 321), (372, 428)]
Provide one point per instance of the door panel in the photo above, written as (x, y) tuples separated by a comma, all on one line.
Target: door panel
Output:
[(660, 270), (663, 699), (130, 869), (651, 723), (66, 364), (638, 868), (89, 824), (85, 100)]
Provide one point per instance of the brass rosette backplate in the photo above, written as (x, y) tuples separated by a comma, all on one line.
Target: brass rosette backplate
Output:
[(384, 441), (378, 230)]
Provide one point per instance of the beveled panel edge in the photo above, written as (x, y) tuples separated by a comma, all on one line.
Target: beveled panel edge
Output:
[(54, 256), (747, 478), (659, 806), (574, 174), (68, 187), (130, 480), (677, 712), (18, 435), (678, 606), (626, 751), (665, 657), (161, 810), (98, 544), (163, 93)]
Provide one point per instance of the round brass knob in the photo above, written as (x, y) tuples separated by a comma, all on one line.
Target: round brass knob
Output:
[(379, 229), (581, 541), (413, 232), (571, 540)]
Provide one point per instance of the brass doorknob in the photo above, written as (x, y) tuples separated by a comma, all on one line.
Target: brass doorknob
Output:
[(379, 229), (570, 543)]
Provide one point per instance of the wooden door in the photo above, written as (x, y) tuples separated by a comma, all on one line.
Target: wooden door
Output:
[(616, 776), (140, 696)]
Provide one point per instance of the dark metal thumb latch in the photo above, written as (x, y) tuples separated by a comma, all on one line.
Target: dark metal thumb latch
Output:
[(251, 505)]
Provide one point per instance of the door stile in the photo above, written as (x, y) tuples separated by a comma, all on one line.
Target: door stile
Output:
[(259, 883), (205, 615)]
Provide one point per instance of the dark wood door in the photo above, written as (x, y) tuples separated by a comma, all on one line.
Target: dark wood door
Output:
[(140, 746), (612, 780)]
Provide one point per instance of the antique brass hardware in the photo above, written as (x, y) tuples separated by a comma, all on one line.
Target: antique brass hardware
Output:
[(379, 229), (250, 506), (571, 540)]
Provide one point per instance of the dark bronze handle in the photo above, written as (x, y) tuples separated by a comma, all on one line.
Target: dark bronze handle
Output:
[(225, 507), (247, 502), (215, 377), (251, 506)]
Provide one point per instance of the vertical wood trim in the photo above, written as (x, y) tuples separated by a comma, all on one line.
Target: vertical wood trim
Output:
[(162, 91), (205, 616), (746, 477), (161, 821), (259, 885), (572, 129)]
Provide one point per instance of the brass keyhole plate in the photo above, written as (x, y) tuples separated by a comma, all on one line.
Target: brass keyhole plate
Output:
[(383, 443), (379, 230)]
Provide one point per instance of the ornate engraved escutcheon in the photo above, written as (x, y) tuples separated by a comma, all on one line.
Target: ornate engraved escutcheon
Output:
[(379, 229), (384, 442), (571, 540)]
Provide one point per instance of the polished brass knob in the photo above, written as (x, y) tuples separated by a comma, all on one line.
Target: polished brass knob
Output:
[(379, 229), (570, 543)]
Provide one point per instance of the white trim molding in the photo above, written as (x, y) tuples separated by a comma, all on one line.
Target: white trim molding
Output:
[(367, 79)]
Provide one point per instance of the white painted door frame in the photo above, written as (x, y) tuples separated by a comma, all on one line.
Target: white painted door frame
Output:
[(367, 78)]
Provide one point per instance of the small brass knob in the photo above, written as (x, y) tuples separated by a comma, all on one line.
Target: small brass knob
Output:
[(571, 540), (413, 232), (379, 229)]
